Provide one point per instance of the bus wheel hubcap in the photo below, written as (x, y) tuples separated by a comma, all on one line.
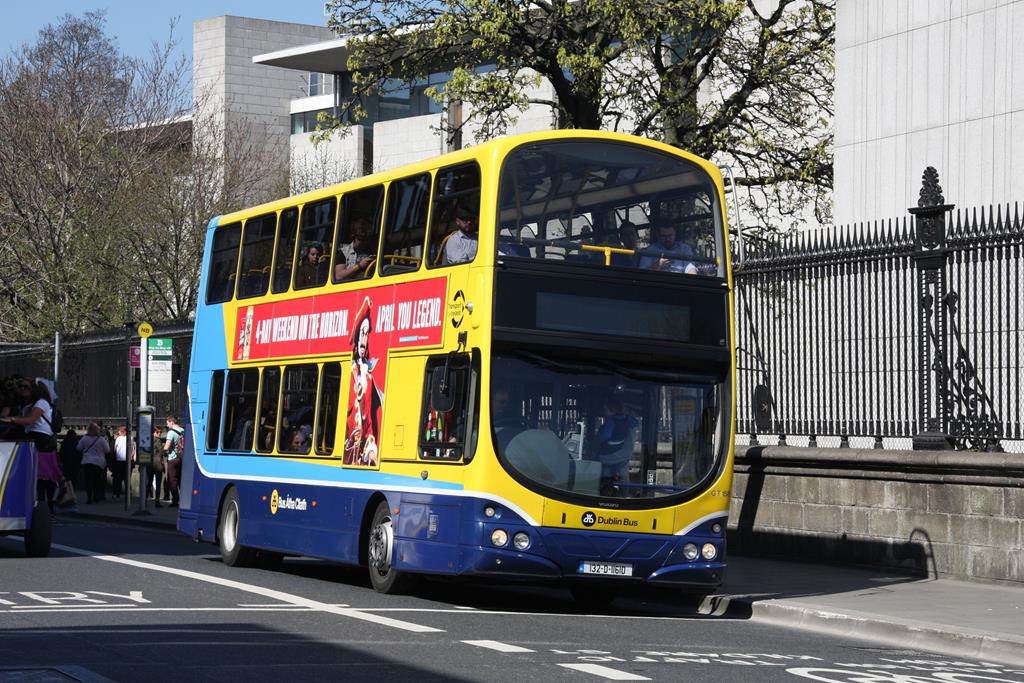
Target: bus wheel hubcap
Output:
[(230, 527), (381, 544)]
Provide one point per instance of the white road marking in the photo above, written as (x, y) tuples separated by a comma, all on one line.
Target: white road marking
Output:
[(282, 604), (120, 608), (495, 645), (296, 600), (605, 672), (50, 608)]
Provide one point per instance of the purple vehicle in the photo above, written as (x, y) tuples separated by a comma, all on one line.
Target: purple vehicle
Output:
[(20, 511)]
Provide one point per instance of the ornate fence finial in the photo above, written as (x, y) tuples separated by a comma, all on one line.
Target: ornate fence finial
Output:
[(931, 191)]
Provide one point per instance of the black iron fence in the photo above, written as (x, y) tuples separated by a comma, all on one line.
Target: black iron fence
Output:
[(904, 328)]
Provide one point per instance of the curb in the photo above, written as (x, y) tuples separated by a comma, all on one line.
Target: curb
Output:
[(150, 522), (986, 646)]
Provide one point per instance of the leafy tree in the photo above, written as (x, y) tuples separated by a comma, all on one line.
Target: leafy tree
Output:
[(747, 82), (104, 190)]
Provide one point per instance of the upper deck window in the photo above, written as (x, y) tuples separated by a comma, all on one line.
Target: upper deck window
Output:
[(455, 219), (355, 251), (285, 252), (315, 239), (405, 224), (257, 253), (609, 204), (223, 262)]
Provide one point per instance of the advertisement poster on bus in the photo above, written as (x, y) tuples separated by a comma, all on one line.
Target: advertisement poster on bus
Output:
[(368, 322)]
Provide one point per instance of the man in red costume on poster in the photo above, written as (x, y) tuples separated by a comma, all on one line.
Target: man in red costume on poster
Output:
[(365, 401)]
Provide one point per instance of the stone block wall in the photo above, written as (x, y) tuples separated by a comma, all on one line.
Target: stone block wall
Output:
[(949, 514)]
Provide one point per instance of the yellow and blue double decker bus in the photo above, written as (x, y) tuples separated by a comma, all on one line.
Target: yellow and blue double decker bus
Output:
[(511, 361)]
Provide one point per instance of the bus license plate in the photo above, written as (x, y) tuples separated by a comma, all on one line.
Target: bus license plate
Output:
[(606, 568)]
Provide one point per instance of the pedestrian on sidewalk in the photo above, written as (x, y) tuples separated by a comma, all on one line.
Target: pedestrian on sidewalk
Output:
[(94, 449), (173, 445), (156, 469), (120, 458), (70, 458)]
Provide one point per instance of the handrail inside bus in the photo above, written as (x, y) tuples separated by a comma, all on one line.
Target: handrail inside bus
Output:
[(742, 252)]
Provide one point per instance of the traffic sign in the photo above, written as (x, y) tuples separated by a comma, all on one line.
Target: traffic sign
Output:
[(160, 353), (135, 356), (160, 347), (145, 330)]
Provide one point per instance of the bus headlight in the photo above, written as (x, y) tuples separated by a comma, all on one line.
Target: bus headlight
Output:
[(708, 551), (521, 540), (690, 551), (499, 538)]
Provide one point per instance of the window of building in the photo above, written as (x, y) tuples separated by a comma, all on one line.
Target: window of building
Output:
[(298, 404), (223, 263), (405, 224), (449, 392), (355, 252), (216, 404), (240, 409), (316, 84), (456, 210), (257, 254), (316, 236), (306, 121), (327, 408), (285, 252), (267, 427)]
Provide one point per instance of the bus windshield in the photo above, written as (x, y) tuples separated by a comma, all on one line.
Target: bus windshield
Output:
[(609, 204), (601, 430)]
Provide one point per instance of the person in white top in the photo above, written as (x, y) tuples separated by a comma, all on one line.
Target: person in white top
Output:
[(461, 246), (36, 418), (94, 449), (121, 455)]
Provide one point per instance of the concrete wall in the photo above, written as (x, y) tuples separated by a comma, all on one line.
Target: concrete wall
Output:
[(240, 93), (927, 83), (950, 514)]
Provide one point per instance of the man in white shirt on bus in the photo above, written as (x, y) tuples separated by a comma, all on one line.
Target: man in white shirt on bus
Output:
[(461, 246)]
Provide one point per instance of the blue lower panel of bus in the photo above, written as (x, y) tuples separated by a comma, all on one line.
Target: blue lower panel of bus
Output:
[(441, 533)]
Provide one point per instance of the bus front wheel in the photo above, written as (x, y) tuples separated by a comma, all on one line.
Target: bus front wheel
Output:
[(233, 553), (379, 553)]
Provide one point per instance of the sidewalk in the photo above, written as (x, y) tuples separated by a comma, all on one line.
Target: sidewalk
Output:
[(956, 618), (113, 510)]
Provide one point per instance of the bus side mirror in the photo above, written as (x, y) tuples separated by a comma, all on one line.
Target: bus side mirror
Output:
[(442, 390)]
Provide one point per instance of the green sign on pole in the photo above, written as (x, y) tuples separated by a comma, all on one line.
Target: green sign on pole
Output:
[(160, 353)]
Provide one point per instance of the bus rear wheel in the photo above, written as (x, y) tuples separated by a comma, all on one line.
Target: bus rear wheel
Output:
[(379, 553), (233, 553)]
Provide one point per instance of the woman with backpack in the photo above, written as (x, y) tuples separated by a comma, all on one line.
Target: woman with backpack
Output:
[(36, 419)]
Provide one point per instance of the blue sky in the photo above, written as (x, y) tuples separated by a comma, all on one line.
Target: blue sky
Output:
[(136, 24)]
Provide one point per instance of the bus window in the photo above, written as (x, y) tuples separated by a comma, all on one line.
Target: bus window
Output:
[(405, 224), (601, 204), (214, 408), (315, 237), (268, 410), (223, 262), (257, 253), (240, 409), (298, 402), (285, 249), (355, 253), (446, 400), (327, 417), (456, 199)]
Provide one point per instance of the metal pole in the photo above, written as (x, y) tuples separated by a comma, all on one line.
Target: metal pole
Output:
[(56, 360), (143, 390), (128, 422)]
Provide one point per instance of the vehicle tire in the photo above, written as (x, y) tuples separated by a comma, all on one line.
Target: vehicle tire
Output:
[(379, 550), (39, 537), (593, 596), (233, 553)]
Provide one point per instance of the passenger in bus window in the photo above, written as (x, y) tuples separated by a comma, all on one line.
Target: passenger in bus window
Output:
[(628, 239), (672, 255), (461, 246), (308, 274), (358, 255)]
